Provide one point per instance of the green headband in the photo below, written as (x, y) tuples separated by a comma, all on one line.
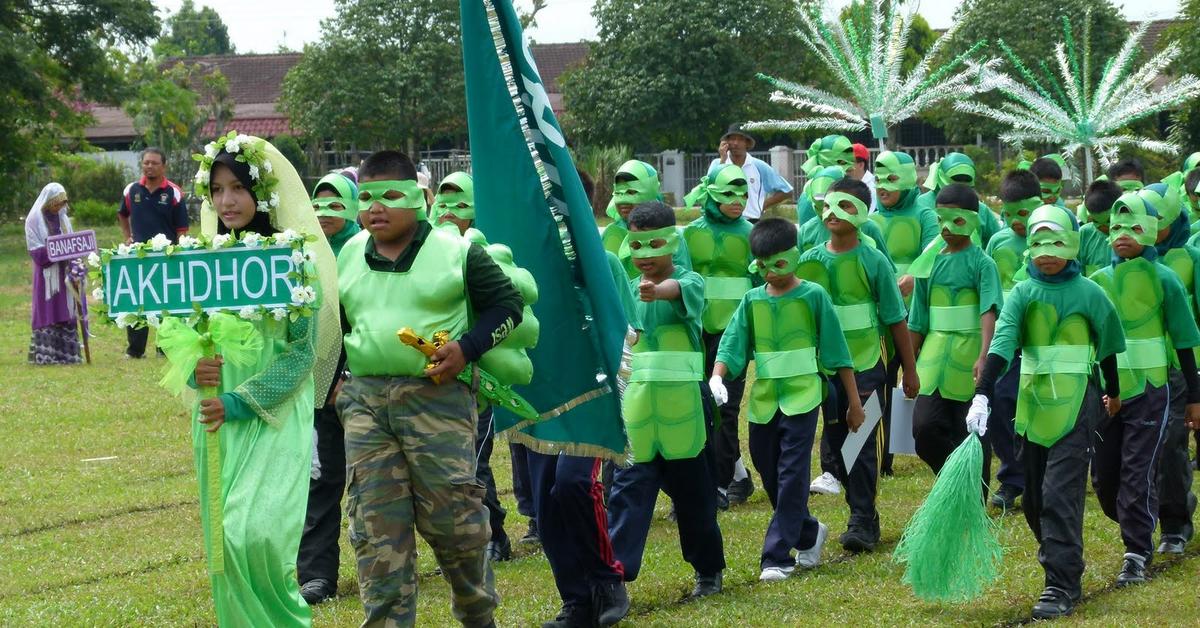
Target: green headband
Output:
[(895, 172), (344, 188), (833, 207), (641, 244), (636, 182), (790, 259), (1063, 244), (1143, 228), (831, 150), (949, 219), (412, 196), (1012, 212), (460, 204)]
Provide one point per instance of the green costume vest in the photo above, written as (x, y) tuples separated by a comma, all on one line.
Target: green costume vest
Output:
[(1136, 290), (785, 359), (720, 253), (1009, 256), (662, 406), (1181, 261), (901, 232), (509, 361), (429, 297), (951, 348), (1056, 362), (847, 284)]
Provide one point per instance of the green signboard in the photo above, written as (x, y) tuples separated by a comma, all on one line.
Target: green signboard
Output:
[(217, 279)]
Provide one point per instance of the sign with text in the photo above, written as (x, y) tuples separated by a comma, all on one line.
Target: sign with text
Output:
[(67, 246), (220, 279)]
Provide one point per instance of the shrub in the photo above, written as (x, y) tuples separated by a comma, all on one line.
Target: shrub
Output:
[(87, 179), (92, 213)]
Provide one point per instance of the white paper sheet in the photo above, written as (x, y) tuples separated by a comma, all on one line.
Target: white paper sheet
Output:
[(855, 440), (902, 415)]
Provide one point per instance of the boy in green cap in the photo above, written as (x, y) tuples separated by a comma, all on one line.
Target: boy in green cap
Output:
[(1062, 324), (1160, 331), (790, 329), (954, 307), (666, 408), (958, 168), (718, 243), (866, 300), (636, 182)]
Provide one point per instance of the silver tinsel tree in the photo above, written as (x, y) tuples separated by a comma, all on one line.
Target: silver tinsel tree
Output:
[(1071, 112), (867, 66)]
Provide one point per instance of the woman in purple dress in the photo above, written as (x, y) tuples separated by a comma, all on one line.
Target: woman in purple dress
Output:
[(56, 285)]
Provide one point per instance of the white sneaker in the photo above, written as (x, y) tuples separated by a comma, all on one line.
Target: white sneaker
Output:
[(775, 574), (811, 557), (825, 484)]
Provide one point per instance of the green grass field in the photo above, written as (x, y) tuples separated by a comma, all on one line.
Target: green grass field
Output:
[(99, 524)]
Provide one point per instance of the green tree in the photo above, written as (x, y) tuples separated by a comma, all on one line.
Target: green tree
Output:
[(920, 36), (171, 105), (674, 73), (193, 32), (1031, 29), (1185, 129), (55, 56), (385, 73)]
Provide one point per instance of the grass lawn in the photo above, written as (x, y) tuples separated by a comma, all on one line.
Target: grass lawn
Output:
[(99, 524)]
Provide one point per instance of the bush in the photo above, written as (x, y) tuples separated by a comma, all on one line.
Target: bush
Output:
[(92, 213), (290, 148), (87, 179)]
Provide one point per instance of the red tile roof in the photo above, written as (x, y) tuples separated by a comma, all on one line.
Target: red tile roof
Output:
[(553, 59)]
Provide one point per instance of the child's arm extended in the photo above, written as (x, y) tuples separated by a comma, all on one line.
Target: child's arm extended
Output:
[(908, 361), (855, 416), (987, 326), (668, 290)]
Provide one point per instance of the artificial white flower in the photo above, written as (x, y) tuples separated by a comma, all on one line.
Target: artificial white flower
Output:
[(189, 242), (274, 199), (286, 236), (252, 239), (233, 146), (153, 320), (98, 295), (267, 166), (263, 207), (93, 260), (220, 239), (298, 258), (126, 320), (242, 138), (310, 294), (279, 313), (250, 313), (202, 176), (124, 249), (303, 295), (254, 172), (159, 242), (211, 150)]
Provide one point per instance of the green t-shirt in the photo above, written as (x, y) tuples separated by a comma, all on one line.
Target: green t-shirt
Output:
[(1007, 249), (989, 224), (814, 233), (970, 269), (1094, 250), (1075, 296), (685, 310)]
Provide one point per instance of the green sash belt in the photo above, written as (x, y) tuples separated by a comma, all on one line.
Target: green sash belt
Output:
[(784, 364), (1056, 359), (1145, 353), (668, 366), (726, 288), (857, 316), (954, 318)]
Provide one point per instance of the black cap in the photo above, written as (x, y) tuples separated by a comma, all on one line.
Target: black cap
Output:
[(736, 129)]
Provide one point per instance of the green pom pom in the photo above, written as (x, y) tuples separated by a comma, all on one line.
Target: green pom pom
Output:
[(950, 545)]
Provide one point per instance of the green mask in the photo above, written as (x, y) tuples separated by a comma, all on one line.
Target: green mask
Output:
[(961, 222), (1060, 244), (1143, 228), (831, 150), (895, 172), (653, 243), (790, 259), (818, 186), (729, 186), (636, 182), (1051, 189), (344, 205), (1099, 218), (952, 165), (1019, 211), (1130, 185), (833, 207), (412, 196), (461, 204)]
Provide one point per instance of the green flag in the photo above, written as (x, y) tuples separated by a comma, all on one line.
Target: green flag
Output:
[(529, 197)]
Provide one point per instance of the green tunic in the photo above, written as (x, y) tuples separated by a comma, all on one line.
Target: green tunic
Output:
[(265, 465), (1007, 249), (662, 406), (907, 229), (791, 338), (946, 309), (1061, 329), (720, 253), (865, 296)]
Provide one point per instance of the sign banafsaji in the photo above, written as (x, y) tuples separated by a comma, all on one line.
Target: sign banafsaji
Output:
[(68, 246)]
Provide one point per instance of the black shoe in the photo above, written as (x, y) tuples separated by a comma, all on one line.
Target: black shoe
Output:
[(1052, 604), (531, 537), (499, 551), (610, 603), (1006, 497), (1133, 571), (856, 540), (571, 617), (886, 472), (722, 501), (318, 590), (1171, 544), (706, 585), (740, 491)]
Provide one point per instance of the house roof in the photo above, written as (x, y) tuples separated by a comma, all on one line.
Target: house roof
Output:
[(554, 59)]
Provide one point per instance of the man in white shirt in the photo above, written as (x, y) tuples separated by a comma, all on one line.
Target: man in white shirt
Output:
[(766, 187), (862, 157)]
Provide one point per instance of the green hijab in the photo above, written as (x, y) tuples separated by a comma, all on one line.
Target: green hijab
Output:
[(635, 182), (942, 173), (831, 150), (895, 171), (726, 184), (460, 204)]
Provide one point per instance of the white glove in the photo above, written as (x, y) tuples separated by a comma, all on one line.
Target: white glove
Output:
[(717, 386), (977, 416)]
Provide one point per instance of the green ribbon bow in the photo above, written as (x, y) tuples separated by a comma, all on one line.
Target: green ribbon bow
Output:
[(1019, 211), (833, 202), (411, 196), (831, 150), (460, 204), (783, 263), (636, 182), (895, 171), (961, 222), (726, 187), (651, 243), (1191, 163)]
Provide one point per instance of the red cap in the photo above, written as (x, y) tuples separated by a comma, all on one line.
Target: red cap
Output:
[(861, 152)]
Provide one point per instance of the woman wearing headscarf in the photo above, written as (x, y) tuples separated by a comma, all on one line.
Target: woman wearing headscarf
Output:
[(55, 284)]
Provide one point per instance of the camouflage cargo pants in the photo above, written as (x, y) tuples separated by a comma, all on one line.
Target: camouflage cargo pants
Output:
[(410, 461)]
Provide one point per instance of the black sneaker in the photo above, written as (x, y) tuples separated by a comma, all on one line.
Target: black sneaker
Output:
[(531, 536), (740, 491), (1052, 604), (1006, 497), (499, 551), (571, 617), (1133, 571), (722, 501), (1171, 544), (706, 585), (856, 540), (610, 603), (318, 590)]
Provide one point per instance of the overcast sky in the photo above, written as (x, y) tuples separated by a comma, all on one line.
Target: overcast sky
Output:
[(265, 25)]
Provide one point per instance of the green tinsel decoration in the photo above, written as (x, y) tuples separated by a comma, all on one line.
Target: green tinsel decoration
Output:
[(1048, 74), (1025, 72), (950, 545)]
